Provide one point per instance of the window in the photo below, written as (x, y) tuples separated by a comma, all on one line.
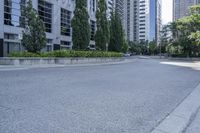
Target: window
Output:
[(13, 13), (10, 36), (65, 45), (12, 47), (93, 5), (92, 30), (142, 16), (65, 22), (142, 35), (45, 13)]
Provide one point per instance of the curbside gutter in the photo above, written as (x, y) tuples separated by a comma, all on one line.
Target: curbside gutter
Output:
[(56, 61), (182, 116)]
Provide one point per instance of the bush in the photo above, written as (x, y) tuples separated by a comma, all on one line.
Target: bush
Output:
[(67, 53), (24, 54)]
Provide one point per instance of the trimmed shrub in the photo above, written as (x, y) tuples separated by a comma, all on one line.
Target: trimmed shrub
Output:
[(67, 53)]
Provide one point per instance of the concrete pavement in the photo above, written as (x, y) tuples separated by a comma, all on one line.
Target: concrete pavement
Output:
[(183, 115), (119, 98), (194, 126)]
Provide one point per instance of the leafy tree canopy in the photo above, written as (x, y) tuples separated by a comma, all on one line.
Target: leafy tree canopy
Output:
[(80, 26), (34, 37)]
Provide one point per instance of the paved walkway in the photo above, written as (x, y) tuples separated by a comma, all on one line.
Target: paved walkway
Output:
[(195, 125)]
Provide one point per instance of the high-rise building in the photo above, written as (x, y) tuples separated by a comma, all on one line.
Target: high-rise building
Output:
[(119, 8), (130, 21), (110, 7), (155, 20), (142, 20), (181, 8), (144, 6), (56, 15)]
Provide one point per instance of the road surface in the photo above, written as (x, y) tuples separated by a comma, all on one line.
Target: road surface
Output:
[(122, 98)]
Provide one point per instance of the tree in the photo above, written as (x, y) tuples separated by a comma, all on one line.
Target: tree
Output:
[(152, 47), (186, 33), (134, 48), (116, 33), (195, 18), (174, 30), (102, 33), (125, 46), (195, 36), (34, 37), (80, 26), (165, 38)]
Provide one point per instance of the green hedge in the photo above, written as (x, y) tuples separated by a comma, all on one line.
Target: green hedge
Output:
[(67, 53)]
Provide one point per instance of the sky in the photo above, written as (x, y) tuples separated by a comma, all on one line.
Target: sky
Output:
[(167, 9)]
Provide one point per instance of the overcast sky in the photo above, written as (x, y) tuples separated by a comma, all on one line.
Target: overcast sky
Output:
[(167, 8)]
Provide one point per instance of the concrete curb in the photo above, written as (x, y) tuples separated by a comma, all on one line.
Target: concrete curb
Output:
[(26, 67), (56, 61), (181, 117)]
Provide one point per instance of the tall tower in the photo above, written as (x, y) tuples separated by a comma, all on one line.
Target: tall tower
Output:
[(149, 20), (131, 19), (155, 20), (144, 22), (181, 8)]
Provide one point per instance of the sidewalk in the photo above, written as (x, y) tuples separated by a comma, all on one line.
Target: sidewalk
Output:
[(194, 127), (185, 118)]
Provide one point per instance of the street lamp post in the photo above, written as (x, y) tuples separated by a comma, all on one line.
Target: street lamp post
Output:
[(160, 49), (106, 47)]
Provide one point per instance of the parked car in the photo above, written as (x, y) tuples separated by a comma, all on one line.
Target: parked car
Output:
[(127, 55)]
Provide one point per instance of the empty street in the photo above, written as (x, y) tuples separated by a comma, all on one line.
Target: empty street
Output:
[(130, 97)]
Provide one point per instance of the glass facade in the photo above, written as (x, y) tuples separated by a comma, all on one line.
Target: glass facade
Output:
[(56, 16), (153, 17), (65, 25), (13, 13), (12, 47), (11, 42), (45, 13)]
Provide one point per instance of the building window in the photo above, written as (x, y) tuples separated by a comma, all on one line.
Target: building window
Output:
[(14, 13), (12, 47), (11, 43), (92, 5), (49, 45), (65, 22), (65, 45), (45, 13), (142, 35), (10, 36), (92, 24)]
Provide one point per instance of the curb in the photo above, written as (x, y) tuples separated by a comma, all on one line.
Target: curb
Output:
[(181, 117), (25, 67), (56, 61)]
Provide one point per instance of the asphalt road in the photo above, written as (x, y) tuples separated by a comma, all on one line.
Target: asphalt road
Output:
[(122, 98)]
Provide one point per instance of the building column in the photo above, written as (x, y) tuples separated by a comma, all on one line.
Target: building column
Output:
[(2, 28)]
